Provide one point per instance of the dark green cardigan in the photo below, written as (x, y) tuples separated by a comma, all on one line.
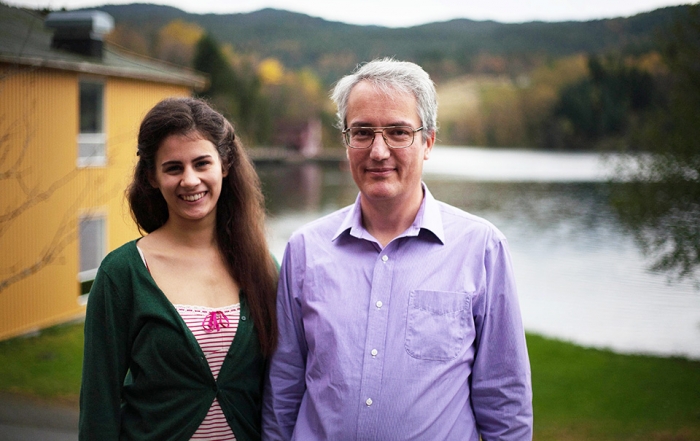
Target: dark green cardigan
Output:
[(132, 327)]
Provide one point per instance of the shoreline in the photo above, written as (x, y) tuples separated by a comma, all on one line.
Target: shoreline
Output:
[(282, 155)]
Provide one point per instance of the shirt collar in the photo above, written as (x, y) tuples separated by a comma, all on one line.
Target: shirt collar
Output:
[(431, 215), (427, 218), (352, 222)]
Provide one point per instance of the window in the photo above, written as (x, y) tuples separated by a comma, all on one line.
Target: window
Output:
[(92, 139), (92, 245)]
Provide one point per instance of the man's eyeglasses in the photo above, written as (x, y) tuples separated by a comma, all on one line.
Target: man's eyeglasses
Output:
[(396, 137)]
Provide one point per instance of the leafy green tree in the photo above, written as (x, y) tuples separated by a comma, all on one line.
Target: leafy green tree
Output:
[(177, 40), (661, 204)]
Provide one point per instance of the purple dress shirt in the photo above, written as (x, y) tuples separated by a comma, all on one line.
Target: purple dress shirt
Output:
[(420, 340)]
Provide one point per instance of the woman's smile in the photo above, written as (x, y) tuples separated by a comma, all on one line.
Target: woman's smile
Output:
[(193, 197)]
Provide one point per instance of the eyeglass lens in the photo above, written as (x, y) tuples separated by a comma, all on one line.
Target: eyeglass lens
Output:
[(397, 137)]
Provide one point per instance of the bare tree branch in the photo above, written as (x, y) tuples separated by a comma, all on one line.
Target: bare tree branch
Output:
[(66, 233)]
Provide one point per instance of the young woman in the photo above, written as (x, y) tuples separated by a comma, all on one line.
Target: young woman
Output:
[(179, 322)]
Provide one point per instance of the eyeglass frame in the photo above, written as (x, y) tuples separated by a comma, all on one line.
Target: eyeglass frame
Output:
[(379, 130)]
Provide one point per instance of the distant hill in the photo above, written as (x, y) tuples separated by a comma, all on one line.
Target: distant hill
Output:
[(446, 49)]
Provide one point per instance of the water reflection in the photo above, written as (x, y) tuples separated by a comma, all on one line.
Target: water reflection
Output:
[(664, 218), (305, 187), (580, 274), (298, 194)]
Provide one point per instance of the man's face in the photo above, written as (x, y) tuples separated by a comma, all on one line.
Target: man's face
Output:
[(382, 174)]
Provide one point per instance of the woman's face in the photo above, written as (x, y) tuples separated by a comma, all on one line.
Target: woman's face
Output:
[(189, 174)]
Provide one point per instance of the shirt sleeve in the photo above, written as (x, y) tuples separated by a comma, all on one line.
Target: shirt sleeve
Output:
[(285, 383), (105, 362), (501, 387)]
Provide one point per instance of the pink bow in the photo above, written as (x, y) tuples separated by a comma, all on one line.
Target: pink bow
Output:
[(214, 321)]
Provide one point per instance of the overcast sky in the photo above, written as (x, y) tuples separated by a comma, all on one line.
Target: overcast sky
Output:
[(398, 13)]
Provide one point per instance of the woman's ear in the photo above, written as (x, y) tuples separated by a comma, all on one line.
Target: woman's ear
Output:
[(224, 169)]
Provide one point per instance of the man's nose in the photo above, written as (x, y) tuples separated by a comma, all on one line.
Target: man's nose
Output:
[(379, 149)]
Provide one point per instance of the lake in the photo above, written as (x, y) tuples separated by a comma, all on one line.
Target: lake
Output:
[(581, 276)]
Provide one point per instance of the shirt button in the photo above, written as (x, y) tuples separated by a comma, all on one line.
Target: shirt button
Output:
[(368, 402), (379, 304), (374, 352), (385, 258)]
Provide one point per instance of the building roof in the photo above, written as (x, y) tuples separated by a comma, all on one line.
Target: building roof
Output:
[(24, 40)]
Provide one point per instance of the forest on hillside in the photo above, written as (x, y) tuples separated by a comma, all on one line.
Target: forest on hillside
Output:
[(446, 49), (592, 85)]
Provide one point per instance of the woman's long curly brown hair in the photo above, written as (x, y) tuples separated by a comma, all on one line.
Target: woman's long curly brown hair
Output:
[(240, 212)]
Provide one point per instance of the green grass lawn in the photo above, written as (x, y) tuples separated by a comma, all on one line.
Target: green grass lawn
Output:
[(589, 394), (579, 393), (46, 366)]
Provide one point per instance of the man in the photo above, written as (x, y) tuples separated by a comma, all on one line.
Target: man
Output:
[(398, 315)]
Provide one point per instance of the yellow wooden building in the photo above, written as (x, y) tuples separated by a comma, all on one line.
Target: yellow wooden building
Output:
[(70, 107)]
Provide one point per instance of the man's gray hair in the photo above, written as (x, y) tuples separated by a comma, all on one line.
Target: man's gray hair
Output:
[(389, 75)]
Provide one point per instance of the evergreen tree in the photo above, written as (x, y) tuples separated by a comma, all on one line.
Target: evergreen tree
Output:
[(209, 59), (236, 94), (606, 106)]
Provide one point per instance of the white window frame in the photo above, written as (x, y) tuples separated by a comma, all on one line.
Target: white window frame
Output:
[(100, 245), (93, 142)]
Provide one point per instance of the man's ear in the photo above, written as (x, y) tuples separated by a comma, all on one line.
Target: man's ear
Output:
[(429, 145)]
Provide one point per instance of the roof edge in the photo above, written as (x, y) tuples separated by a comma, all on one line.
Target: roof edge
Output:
[(190, 79)]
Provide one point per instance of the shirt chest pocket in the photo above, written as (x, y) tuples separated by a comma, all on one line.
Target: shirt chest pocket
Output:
[(437, 324)]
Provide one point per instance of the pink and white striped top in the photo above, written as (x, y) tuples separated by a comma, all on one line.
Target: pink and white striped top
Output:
[(214, 329)]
